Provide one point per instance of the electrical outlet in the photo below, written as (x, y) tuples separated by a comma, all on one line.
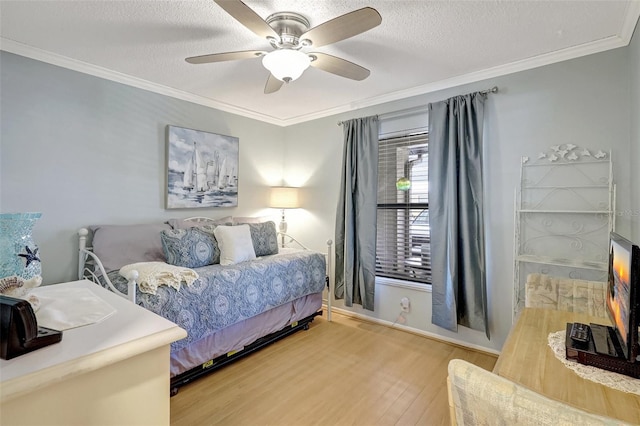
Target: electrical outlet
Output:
[(404, 304)]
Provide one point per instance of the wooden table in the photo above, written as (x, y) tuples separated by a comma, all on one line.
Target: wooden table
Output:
[(528, 360), (114, 372)]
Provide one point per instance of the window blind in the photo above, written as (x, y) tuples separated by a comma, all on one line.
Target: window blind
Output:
[(403, 239)]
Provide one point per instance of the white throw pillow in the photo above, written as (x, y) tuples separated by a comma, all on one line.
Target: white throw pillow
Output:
[(235, 244)]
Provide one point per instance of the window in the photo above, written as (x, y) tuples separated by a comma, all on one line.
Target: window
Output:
[(403, 239)]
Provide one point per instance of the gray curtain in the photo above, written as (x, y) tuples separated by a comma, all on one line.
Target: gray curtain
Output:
[(455, 213), (356, 215)]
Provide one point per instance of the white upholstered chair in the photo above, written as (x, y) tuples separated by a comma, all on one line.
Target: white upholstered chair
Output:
[(479, 397)]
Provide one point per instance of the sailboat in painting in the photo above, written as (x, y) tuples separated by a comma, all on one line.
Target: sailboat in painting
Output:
[(216, 173), (187, 180), (195, 177), (223, 171), (213, 170)]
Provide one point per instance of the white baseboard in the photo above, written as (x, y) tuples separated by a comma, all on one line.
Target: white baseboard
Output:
[(413, 330)]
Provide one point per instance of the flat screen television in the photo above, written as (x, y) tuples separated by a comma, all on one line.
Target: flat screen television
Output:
[(624, 293)]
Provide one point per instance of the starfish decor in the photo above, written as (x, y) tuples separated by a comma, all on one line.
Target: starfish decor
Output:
[(30, 256)]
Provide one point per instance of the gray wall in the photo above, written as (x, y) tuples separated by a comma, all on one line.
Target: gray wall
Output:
[(86, 151), (584, 101)]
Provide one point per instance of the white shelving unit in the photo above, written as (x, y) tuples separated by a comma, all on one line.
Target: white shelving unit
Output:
[(564, 211)]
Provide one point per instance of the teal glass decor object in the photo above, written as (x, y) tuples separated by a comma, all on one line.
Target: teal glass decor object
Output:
[(19, 255)]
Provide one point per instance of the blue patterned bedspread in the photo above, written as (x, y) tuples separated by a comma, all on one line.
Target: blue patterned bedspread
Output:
[(225, 295)]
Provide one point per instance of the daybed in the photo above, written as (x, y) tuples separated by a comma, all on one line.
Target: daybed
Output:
[(232, 305)]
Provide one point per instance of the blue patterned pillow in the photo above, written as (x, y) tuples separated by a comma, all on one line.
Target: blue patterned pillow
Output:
[(264, 238), (190, 248)]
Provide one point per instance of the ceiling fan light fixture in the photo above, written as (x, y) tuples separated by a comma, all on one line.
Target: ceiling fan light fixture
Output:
[(286, 64)]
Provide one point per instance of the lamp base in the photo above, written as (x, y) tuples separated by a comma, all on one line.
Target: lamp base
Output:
[(282, 228)]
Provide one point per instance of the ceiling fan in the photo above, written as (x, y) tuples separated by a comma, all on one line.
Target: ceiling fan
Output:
[(289, 33)]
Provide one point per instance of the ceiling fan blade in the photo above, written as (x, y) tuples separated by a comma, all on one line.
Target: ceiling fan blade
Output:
[(228, 56), (247, 17), (343, 27), (273, 85), (338, 66)]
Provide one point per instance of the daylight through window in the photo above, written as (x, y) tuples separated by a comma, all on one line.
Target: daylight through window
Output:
[(403, 238)]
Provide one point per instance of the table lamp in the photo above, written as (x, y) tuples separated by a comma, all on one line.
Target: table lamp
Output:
[(284, 197)]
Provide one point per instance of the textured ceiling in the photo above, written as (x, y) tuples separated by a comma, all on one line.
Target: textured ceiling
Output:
[(420, 46)]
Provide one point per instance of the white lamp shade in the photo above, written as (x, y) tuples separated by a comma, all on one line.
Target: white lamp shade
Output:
[(286, 64), (284, 197)]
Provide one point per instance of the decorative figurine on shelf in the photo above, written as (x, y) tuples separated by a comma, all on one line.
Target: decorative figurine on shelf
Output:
[(20, 268)]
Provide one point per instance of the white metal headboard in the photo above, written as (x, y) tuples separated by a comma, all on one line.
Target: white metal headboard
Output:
[(87, 259)]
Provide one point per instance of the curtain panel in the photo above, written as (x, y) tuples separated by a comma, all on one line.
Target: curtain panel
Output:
[(459, 295), (356, 214)]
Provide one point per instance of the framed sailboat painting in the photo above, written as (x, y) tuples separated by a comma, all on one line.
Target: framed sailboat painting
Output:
[(202, 169)]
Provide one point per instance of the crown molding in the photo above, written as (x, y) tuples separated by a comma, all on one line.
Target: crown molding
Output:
[(632, 18), (630, 22), (118, 77), (513, 67), (626, 33)]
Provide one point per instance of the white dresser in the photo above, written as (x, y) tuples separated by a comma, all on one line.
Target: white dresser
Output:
[(114, 372)]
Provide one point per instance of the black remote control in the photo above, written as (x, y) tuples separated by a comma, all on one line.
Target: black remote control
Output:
[(579, 332)]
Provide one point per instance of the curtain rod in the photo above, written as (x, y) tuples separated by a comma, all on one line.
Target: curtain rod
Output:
[(418, 109)]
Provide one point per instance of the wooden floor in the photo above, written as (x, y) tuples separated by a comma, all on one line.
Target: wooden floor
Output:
[(344, 372)]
